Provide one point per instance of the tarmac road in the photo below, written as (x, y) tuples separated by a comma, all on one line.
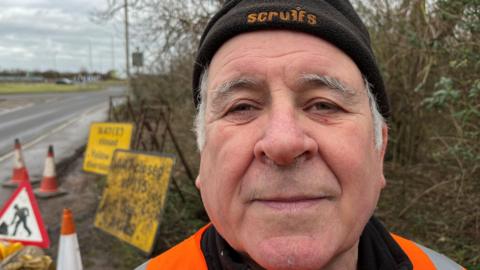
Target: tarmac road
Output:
[(39, 120), (36, 113)]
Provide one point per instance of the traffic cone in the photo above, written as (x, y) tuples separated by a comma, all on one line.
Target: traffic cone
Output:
[(48, 186), (20, 172), (68, 249)]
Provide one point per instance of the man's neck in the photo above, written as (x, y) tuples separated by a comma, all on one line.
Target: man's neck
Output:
[(344, 261)]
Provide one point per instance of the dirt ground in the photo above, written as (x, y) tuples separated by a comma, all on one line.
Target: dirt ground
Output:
[(98, 250)]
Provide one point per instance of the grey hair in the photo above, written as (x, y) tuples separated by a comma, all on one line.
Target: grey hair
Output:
[(199, 125), (377, 117)]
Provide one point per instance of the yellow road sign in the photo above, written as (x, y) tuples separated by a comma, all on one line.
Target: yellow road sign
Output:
[(103, 140), (132, 202)]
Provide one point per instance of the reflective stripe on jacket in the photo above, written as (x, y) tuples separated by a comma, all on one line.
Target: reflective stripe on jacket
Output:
[(188, 255), (425, 258)]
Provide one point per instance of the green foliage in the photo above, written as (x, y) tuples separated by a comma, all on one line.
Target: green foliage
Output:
[(444, 94), (430, 55)]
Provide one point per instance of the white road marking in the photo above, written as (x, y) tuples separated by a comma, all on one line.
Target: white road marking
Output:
[(57, 129)]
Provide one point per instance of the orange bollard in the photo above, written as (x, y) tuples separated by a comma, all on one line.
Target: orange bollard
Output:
[(20, 172), (48, 186), (68, 249)]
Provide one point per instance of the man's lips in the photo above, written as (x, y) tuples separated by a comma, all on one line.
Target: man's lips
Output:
[(291, 203)]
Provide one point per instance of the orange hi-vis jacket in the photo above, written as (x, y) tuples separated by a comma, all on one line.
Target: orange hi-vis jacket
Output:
[(188, 255)]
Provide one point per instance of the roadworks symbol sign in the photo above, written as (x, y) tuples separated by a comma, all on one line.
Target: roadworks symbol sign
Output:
[(103, 140), (133, 200), (20, 219)]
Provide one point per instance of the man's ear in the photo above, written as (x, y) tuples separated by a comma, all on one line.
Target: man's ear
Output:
[(198, 182)]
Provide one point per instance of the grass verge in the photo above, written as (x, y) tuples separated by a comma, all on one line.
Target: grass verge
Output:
[(20, 88)]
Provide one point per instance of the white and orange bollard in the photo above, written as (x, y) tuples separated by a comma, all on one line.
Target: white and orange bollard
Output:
[(20, 172), (68, 249), (49, 186)]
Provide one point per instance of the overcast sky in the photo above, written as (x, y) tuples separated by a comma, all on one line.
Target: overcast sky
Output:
[(55, 34)]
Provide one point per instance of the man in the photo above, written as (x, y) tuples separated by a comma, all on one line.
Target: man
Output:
[(291, 130), (22, 214)]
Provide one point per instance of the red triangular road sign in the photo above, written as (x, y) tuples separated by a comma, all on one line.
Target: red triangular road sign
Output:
[(20, 219)]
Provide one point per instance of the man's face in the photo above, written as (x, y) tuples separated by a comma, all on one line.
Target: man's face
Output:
[(289, 172)]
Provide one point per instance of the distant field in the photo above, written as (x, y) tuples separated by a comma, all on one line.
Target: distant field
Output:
[(16, 88)]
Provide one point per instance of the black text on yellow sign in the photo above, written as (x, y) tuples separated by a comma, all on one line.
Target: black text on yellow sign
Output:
[(132, 202), (103, 140)]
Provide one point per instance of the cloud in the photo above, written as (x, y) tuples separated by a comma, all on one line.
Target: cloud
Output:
[(41, 35)]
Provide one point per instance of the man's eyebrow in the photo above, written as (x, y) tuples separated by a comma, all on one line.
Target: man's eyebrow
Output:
[(228, 86), (329, 82), (226, 89)]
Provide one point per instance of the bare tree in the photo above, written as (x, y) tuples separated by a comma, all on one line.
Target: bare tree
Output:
[(166, 29)]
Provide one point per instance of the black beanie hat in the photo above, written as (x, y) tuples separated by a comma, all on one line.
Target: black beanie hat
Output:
[(332, 20)]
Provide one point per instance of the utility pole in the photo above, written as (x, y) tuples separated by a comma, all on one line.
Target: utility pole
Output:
[(113, 54), (127, 51), (90, 56), (55, 60)]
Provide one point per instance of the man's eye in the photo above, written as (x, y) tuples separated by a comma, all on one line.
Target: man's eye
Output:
[(323, 107), (242, 113), (244, 107)]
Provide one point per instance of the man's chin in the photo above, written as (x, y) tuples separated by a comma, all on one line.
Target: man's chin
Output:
[(291, 252)]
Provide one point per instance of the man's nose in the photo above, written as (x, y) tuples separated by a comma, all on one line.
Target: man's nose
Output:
[(284, 140)]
